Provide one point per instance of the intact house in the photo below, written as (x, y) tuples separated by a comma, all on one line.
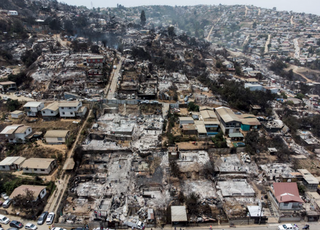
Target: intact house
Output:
[(7, 86), (229, 121), (16, 133), (39, 192), (285, 197), (50, 110), (16, 114), (309, 181), (11, 163), (56, 136), (32, 108), (72, 109), (39, 165), (210, 121)]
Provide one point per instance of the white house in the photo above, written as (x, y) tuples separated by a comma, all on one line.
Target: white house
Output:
[(56, 136), (50, 110), (72, 109), (32, 108), (16, 133), (11, 163), (16, 114), (13, 13), (39, 165)]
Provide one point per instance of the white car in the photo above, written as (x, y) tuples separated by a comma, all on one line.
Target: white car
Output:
[(58, 228), (30, 226), (4, 219), (50, 218), (288, 227)]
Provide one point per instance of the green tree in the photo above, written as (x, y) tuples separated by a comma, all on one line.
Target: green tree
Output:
[(252, 141), (219, 141), (193, 107), (143, 18)]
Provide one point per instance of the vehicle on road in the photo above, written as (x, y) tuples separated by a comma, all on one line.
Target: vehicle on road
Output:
[(288, 227), (16, 224), (306, 227), (58, 228), (7, 203), (50, 218), (30, 226), (4, 219)]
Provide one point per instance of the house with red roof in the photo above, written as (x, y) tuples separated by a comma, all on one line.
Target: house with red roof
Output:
[(286, 196)]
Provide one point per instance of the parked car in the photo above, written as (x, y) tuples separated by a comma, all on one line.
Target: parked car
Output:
[(4, 196), (50, 218), (30, 226), (16, 224), (4, 219), (7, 203), (42, 218), (12, 228), (58, 228)]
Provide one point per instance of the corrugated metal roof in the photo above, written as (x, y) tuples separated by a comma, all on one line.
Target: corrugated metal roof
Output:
[(12, 160), (16, 112), (178, 214), (53, 106), (287, 192), (69, 104), (33, 104), (226, 114), (38, 163), (56, 133), (69, 165), (21, 190), (201, 129), (10, 129)]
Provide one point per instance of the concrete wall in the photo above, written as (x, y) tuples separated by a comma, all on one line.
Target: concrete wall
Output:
[(55, 140), (115, 101)]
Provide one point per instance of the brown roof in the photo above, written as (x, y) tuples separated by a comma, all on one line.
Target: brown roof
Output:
[(56, 133), (38, 163), (287, 192), (21, 190)]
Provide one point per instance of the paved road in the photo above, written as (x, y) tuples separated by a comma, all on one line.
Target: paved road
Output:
[(111, 87), (14, 97), (266, 48)]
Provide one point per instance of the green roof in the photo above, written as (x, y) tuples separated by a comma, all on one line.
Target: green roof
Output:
[(235, 135)]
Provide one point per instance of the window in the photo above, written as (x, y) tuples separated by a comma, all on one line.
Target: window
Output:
[(43, 112), (42, 170), (3, 167), (286, 204), (63, 113), (51, 111), (35, 169), (60, 139), (69, 107), (71, 113)]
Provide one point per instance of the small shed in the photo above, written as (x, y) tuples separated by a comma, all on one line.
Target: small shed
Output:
[(178, 215), (16, 114), (56, 136), (236, 136)]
